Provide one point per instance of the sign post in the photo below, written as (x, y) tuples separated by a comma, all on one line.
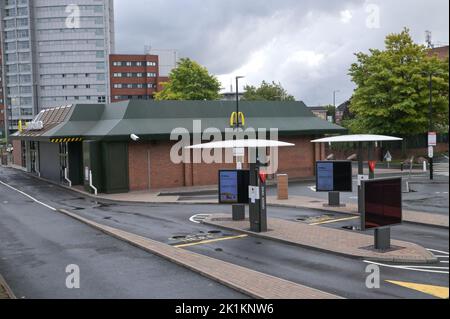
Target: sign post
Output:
[(432, 142)]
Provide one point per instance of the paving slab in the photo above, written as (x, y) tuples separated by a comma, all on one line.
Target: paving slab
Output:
[(342, 242), (250, 282), (5, 291)]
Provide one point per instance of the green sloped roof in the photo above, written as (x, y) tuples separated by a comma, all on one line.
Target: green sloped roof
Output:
[(156, 120)]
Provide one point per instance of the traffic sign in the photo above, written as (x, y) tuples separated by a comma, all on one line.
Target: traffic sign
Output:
[(430, 151), (432, 139), (388, 157)]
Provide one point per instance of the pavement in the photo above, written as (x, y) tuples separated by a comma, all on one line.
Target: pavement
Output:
[(331, 240), (252, 283), (5, 291)]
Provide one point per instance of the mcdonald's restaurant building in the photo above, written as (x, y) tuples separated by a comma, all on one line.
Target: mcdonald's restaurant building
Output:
[(69, 143)]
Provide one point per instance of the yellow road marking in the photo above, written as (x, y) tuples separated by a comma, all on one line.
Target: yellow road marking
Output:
[(436, 291), (334, 220), (210, 241)]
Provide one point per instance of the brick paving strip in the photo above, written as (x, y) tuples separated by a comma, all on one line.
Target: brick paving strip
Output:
[(252, 283), (347, 243), (351, 208), (5, 291)]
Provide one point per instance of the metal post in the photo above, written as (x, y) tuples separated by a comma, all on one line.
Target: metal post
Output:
[(360, 172), (382, 238), (431, 122)]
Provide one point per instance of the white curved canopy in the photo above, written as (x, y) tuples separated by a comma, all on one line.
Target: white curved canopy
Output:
[(241, 144), (357, 138)]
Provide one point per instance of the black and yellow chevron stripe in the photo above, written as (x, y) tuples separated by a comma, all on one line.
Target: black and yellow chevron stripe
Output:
[(66, 140)]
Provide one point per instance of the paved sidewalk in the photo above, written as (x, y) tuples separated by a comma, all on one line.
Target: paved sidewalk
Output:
[(5, 291), (252, 283), (347, 243), (352, 208)]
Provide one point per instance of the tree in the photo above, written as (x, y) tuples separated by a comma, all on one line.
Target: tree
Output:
[(267, 92), (392, 94), (190, 81)]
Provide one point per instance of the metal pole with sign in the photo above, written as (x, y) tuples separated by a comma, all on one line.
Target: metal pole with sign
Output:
[(432, 142)]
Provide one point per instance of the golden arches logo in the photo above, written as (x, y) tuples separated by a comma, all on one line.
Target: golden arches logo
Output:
[(237, 118)]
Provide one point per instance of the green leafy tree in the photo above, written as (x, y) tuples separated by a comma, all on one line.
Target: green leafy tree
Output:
[(190, 81), (392, 93), (267, 92)]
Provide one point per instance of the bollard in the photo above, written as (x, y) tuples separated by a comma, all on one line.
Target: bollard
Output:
[(424, 166), (283, 186)]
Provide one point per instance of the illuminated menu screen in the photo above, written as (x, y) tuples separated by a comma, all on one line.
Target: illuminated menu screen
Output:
[(233, 186), (334, 176)]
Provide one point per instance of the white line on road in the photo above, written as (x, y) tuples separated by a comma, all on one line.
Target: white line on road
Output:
[(312, 188), (430, 269), (437, 251), (30, 197)]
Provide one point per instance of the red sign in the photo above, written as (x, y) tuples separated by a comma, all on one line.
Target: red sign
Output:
[(263, 176), (372, 165)]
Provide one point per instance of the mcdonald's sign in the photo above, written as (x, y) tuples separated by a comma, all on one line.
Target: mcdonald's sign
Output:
[(237, 119)]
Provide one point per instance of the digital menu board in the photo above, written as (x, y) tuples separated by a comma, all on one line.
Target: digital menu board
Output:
[(382, 203), (233, 186), (334, 176)]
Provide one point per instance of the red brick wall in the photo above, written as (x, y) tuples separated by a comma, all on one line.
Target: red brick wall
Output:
[(17, 152), (138, 166), (297, 162)]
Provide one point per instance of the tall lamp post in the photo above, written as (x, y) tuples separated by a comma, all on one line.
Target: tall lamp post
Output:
[(430, 74), (238, 124)]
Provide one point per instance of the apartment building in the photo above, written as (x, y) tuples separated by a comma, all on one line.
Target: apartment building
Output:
[(55, 52), (135, 76)]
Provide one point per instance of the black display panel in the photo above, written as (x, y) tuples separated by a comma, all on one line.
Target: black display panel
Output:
[(233, 186), (382, 203), (334, 176)]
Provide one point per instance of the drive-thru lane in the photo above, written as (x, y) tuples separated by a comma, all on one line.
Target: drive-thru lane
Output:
[(170, 223), (37, 244)]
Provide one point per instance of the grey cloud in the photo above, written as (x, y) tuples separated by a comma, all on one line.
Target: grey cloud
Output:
[(225, 36)]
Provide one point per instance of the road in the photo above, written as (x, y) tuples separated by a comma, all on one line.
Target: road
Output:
[(37, 244), (170, 224)]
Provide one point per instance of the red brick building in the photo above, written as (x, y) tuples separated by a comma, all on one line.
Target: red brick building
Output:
[(134, 77), (97, 138)]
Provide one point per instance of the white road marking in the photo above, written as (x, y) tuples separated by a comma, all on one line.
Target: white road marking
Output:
[(430, 269), (30, 197), (438, 251), (195, 218), (312, 188)]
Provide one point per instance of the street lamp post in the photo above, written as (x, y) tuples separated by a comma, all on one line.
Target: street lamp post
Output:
[(430, 113), (334, 104), (238, 124)]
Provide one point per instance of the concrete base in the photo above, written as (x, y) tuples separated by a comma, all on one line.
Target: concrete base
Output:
[(238, 212)]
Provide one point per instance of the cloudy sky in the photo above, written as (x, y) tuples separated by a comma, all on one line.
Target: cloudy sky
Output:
[(307, 45)]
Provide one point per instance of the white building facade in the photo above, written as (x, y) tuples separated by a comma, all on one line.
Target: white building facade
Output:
[(55, 52)]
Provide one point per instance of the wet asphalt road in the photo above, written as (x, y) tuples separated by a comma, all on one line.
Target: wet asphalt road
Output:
[(37, 244), (331, 273)]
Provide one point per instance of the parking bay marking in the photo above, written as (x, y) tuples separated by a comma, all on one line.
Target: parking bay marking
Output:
[(334, 221), (209, 241)]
